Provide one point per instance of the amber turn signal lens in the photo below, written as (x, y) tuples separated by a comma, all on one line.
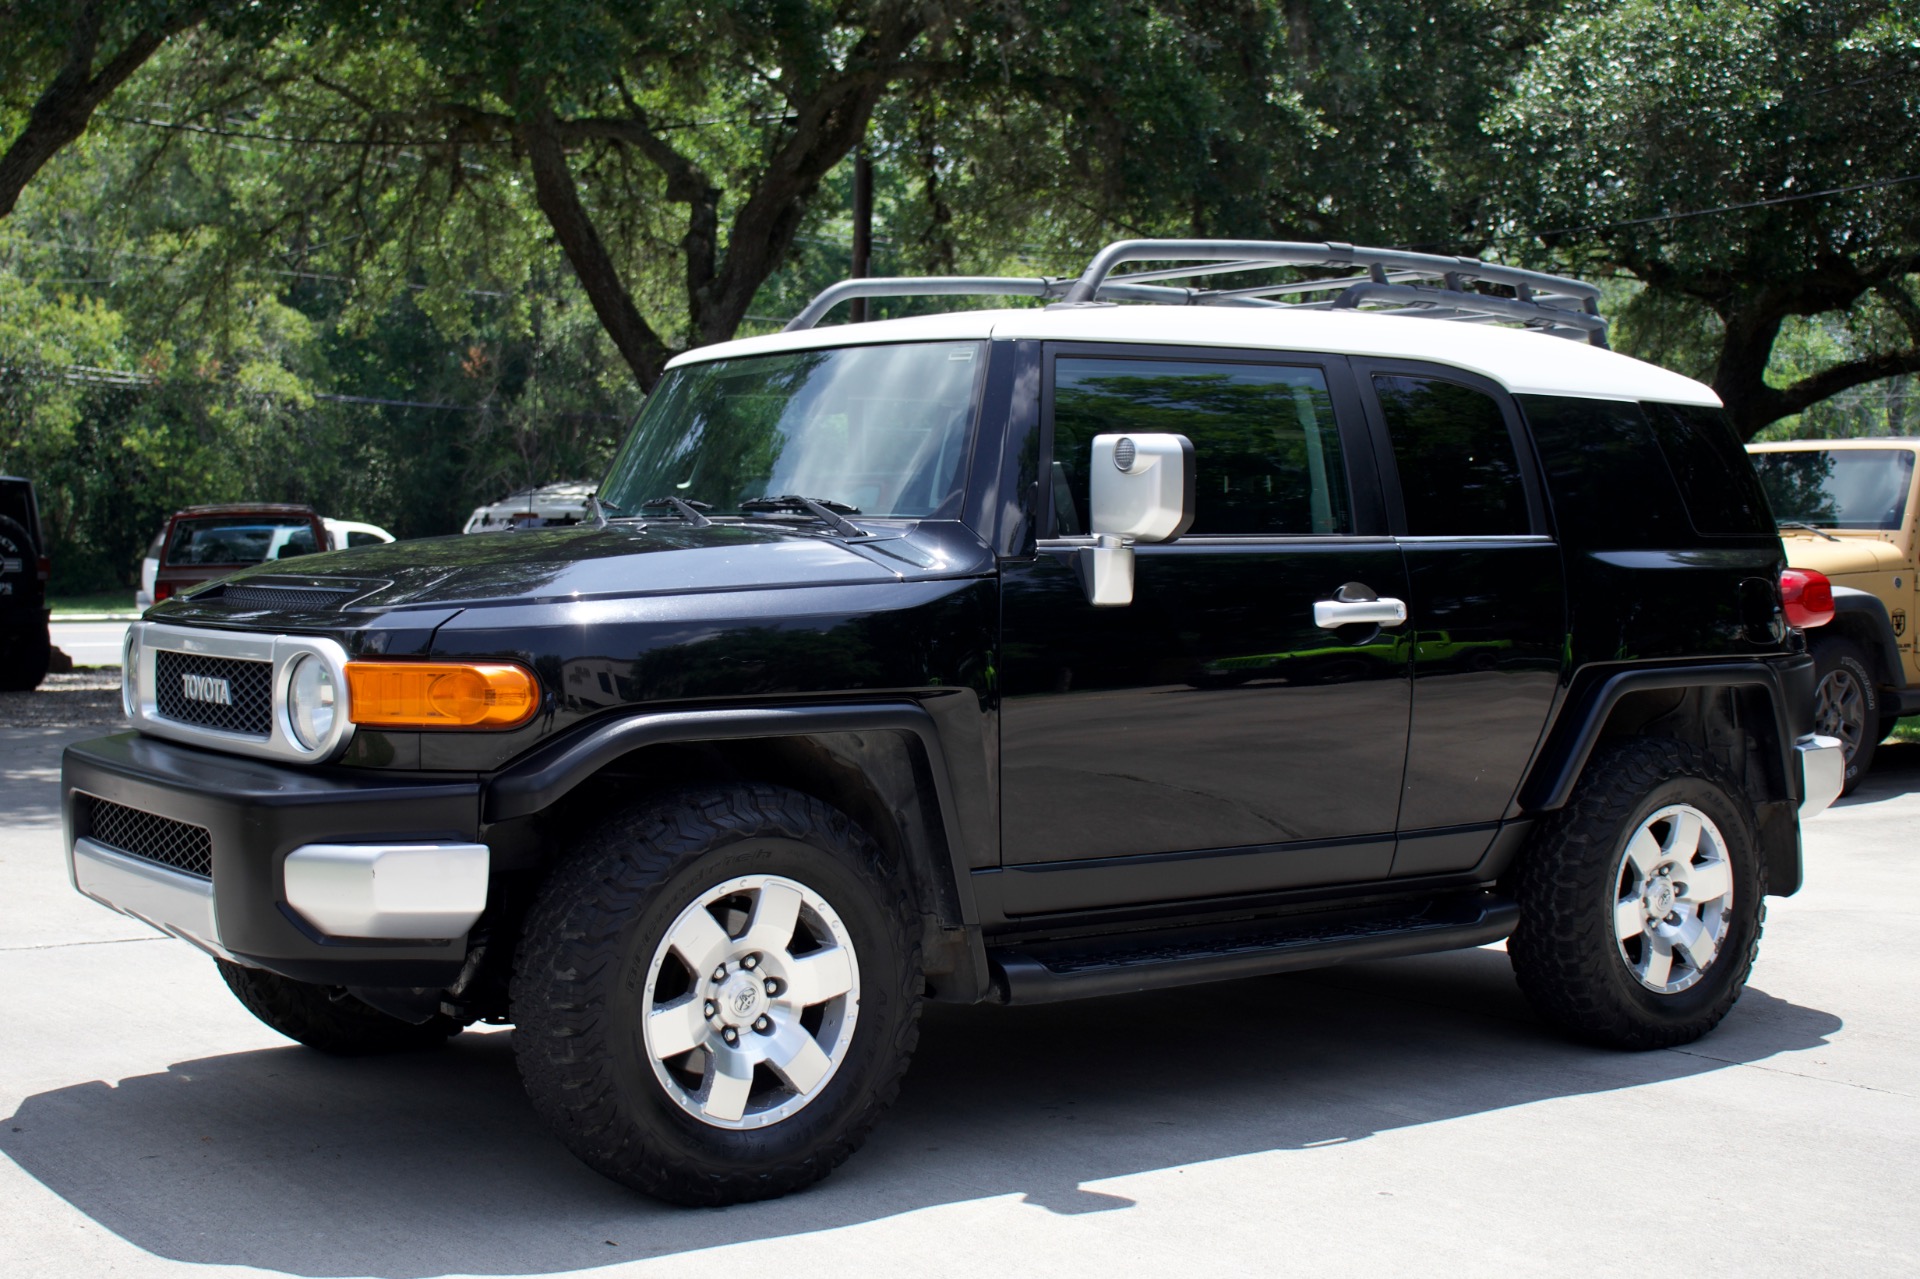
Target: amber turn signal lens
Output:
[(440, 694)]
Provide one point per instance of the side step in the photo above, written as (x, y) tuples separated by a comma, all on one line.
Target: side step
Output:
[(1120, 964)]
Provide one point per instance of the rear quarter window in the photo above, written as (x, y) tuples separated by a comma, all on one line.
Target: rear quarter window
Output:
[(1606, 480), (1722, 494)]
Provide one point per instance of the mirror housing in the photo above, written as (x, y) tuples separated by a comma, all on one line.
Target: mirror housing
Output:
[(1142, 490), (1142, 486)]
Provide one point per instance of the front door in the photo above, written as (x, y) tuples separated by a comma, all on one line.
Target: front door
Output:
[(1209, 738)]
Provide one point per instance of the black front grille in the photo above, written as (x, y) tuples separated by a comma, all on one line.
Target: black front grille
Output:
[(154, 839), (214, 692), (308, 598)]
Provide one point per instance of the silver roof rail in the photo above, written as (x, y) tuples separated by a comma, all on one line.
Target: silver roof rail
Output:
[(1421, 284)]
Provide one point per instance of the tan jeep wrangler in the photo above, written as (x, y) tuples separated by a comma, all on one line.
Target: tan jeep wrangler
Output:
[(1846, 509)]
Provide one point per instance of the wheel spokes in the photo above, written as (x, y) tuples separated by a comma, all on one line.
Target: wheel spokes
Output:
[(1657, 968), (1693, 937), (675, 1028), (1683, 837), (729, 1080), (796, 1057), (1643, 850), (700, 942), (1707, 882), (815, 978), (1629, 920), (776, 913)]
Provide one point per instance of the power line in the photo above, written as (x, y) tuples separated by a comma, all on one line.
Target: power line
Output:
[(1702, 213)]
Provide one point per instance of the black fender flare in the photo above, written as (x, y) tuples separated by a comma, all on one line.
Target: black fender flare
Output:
[(1865, 611), (546, 774), (1788, 687), (1554, 773)]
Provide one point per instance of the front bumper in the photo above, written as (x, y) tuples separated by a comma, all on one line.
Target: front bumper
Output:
[(371, 853)]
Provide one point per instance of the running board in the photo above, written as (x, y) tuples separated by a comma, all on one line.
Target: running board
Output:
[(1083, 967)]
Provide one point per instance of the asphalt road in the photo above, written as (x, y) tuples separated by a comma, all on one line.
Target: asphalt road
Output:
[(1400, 1117), (91, 643)]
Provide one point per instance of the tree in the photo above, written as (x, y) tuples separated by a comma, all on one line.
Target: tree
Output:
[(81, 52), (1752, 164)]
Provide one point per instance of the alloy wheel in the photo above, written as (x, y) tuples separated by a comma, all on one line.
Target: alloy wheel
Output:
[(1840, 708), (1673, 898), (752, 998)]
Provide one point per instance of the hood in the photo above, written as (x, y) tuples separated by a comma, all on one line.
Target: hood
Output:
[(1847, 556), (580, 563)]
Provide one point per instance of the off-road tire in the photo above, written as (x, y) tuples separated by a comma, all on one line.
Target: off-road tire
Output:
[(579, 990), (25, 656), (1837, 657), (327, 1018), (1564, 952)]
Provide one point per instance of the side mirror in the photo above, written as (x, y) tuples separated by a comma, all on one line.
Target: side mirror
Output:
[(1142, 490)]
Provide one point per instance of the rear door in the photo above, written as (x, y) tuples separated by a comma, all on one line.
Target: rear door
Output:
[(1209, 738), (1487, 601)]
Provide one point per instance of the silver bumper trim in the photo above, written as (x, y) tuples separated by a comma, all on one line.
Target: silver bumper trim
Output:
[(176, 903), (1823, 771), (413, 891)]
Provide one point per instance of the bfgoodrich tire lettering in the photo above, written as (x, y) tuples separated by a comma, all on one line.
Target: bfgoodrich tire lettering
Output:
[(1568, 952), (588, 974)]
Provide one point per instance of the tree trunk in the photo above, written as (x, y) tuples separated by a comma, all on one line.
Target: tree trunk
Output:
[(559, 200), (67, 105)]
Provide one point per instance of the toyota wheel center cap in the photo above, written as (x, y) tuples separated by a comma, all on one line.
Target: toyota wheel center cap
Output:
[(742, 999)]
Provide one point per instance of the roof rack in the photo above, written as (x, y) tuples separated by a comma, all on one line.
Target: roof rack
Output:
[(1421, 284)]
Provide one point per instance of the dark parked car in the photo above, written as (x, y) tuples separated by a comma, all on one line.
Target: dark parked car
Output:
[(24, 568), (872, 683), (204, 542)]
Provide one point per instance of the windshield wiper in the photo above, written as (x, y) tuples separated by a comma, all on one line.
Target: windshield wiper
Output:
[(1817, 532), (688, 511), (832, 514)]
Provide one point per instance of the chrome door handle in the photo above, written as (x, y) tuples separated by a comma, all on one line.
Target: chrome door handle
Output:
[(1333, 614)]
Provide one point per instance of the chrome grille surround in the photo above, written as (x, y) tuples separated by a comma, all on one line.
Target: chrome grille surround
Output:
[(146, 640)]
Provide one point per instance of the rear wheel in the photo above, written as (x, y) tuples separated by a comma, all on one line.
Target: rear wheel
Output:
[(1641, 901), (24, 648), (327, 1017), (716, 997), (1844, 703)]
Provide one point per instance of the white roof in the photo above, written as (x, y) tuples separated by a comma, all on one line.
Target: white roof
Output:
[(1524, 363)]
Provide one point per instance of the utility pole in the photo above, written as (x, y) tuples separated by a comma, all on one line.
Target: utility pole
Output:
[(862, 225)]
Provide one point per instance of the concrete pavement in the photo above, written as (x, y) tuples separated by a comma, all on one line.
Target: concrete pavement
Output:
[(90, 643), (1405, 1117)]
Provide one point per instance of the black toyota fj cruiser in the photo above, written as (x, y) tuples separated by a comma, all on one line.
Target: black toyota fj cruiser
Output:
[(1008, 655), (25, 645)]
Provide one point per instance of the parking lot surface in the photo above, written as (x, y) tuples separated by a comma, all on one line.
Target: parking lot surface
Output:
[(1408, 1116), (90, 643)]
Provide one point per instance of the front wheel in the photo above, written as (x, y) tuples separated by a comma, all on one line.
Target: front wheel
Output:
[(1640, 902), (716, 997)]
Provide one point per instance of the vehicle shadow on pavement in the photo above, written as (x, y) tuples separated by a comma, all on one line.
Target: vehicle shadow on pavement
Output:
[(434, 1163)]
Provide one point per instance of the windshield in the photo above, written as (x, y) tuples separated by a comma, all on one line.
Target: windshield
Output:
[(881, 430), (1838, 488), (245, 539)]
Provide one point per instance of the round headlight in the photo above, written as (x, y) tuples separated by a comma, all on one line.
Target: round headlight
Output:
[(311, 695)]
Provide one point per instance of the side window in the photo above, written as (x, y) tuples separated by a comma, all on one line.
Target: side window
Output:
[(1605, 479), (1459, 475), (1723, 496), (1264, 440)]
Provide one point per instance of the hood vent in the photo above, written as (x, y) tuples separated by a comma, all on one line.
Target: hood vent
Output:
[(286, 598)]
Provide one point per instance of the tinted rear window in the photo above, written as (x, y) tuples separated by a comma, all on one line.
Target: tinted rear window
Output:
[(1605, 478), (1716, 479), (238, 539), (1838, 488)]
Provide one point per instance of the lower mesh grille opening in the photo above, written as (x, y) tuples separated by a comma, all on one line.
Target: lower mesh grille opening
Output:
[(183, 846)]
